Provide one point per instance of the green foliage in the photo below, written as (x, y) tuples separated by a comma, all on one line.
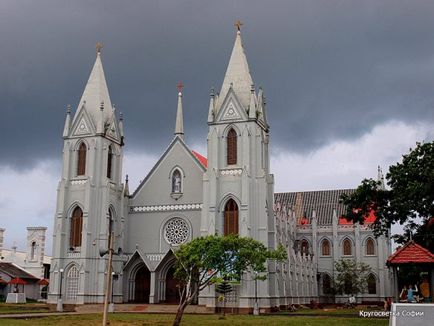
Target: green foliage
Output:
[(207, 260), (213, 256), (351, 277), (411, 193)]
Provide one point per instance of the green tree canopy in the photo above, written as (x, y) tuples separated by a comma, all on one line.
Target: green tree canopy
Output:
[(205, 260), (351, 277), (410, 196)]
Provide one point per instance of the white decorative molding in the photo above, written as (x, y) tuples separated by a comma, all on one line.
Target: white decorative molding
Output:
[(78, 182), (73, 255), (165, 208), (231, 172), (155, 257)]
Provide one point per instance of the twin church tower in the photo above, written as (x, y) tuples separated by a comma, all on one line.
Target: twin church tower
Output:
[(185, 195)]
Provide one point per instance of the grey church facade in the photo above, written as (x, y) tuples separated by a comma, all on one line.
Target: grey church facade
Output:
[(186, 195)]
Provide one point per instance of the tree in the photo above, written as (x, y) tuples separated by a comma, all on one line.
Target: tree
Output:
[(351, 277), (204, 260), (410, 197), (224, 287)]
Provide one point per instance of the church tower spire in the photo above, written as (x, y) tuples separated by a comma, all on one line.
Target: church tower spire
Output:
[(179, 126), (237, 74)]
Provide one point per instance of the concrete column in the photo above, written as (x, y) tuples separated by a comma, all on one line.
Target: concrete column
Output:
[(152, 298)]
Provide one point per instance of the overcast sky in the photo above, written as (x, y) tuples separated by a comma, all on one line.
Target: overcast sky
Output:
[(349, 85)]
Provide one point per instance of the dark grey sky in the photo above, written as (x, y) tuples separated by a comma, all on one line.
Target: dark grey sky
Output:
[(330, 69)]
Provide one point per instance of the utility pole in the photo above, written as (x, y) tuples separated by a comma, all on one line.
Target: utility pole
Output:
[(108, 279)]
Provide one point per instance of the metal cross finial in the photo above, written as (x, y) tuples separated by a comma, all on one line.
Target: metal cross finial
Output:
[(238, 25), (98, 47), (180, 86)]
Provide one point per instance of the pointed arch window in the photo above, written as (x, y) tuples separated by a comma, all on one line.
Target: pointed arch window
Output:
[(370, 247), (176, 182), (109, 162), (325, 247), (110, 227), (72, 281), (232, 147), (304, 247), (347, 247), (231, 218), (372, 284), (81, 159), (76, 228)]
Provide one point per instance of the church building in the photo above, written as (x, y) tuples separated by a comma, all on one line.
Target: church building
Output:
[(186, 195)]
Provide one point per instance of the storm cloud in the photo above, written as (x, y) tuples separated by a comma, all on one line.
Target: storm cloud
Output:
[(331, 70)]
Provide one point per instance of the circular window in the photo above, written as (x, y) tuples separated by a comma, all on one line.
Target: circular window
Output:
[(176, 231)]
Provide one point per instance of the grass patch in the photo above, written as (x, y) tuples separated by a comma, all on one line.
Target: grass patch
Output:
[(193, 320), (18, 308)]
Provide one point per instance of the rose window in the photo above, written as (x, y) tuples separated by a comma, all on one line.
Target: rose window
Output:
[(176, 231)]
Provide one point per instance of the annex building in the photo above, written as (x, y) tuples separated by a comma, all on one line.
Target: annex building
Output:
[(186, 195)]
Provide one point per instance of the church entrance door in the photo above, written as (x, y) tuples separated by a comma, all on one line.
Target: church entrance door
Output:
[(142, 285), (172, 289)]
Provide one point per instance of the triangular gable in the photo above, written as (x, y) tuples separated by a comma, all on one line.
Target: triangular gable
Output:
[(112, 130), (136, 255), (176, 140), (411, 252), (82, 125), (231, 109)]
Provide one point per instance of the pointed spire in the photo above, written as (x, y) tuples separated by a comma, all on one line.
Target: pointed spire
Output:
[(101, 121), (380, 178), (179, 126), (237, 72), (67, 122), (211, 112), (121, 124), (126, 187), (252, 105), (96, 91)]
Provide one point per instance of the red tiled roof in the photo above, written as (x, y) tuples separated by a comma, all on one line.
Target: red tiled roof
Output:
[(202, 159), (411, 252), (368, 220)]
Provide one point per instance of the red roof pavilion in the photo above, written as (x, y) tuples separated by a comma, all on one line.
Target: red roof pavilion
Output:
[(411, 252)]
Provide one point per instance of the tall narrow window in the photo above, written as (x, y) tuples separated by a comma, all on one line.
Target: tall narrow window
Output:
[(347, 250), (76, 227), (109, 162), (32, 250), (370, 248), (81, 160), (232, 147), (72, 283), (110, 227), (372, 284), (304, 246), (176, 182), (325, 247), (231, 218)]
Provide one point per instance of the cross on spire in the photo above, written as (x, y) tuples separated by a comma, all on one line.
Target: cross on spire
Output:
[(180, 86), (238, 25), (98, 47)]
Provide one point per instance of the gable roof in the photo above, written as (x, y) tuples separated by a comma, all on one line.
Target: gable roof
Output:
[(15, 271), (411, 252), (179, 140), (322, 201)]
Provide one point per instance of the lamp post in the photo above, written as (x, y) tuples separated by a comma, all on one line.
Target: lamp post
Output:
[(256, 306), (59, 307)]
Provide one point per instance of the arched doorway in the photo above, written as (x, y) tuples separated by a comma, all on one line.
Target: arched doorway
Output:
[(142, 285), (172, 289)]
